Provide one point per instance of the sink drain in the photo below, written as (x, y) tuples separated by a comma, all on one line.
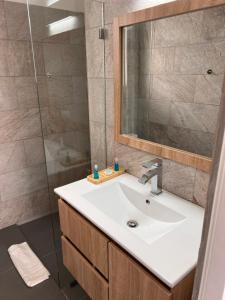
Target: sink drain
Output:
[(132, 223)]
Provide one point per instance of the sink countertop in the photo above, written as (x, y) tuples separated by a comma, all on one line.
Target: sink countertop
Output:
[(172, 256)]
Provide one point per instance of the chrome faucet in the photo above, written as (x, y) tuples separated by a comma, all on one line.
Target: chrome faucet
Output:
[(155, 174)]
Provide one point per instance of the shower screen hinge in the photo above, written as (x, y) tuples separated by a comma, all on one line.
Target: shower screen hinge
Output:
[(101, 33)]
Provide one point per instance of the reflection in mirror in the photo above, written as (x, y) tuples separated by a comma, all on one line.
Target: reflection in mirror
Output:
[(172, 79)]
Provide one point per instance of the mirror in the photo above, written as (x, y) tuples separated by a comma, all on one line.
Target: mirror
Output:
[(172, 77)]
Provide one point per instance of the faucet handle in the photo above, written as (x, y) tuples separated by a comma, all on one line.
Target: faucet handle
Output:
[(157, 162)]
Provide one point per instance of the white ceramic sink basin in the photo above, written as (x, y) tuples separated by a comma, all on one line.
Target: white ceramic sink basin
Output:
[(168, 235), (122, 204)]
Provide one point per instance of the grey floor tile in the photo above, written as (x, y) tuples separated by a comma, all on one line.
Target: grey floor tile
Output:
[(65, 277), (56, 229), (51, 263), (11, 235), (41, 238), (12, 287), (39, 234), (5, 260), (76, 293), (44, 237)]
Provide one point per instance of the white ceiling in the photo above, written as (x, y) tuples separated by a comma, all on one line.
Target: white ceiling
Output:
[(72, 5)]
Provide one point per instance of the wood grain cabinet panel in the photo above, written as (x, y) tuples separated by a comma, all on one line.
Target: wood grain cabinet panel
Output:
[(125, 278), (89, 240), (128, 280), (89, 279)]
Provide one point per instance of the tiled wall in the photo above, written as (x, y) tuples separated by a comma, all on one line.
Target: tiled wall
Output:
[(23, 180), (186, 182), (24, 191), (181, 99)]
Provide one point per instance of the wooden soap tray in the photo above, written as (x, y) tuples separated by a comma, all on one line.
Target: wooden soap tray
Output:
[(103, 177)]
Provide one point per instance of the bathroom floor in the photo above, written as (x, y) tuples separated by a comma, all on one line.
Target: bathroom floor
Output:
[(39, 235)]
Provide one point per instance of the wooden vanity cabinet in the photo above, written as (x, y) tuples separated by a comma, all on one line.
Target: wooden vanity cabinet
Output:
[(104, 270), (90, 280), (89, 240), (128, 280)]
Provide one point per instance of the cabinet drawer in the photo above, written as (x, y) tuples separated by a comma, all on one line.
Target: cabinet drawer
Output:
[(90, 241), (130, 281), (89, 279)]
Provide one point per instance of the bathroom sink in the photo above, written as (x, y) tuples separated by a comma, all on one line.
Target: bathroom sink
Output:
[(165, 230), (143, 216)]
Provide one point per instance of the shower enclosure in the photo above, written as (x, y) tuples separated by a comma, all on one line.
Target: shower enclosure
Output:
[(45, 59)]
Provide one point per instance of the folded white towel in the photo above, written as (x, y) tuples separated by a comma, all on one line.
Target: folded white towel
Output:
[(28, 264)]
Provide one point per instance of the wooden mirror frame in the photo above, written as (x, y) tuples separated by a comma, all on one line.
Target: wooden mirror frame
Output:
[(149, 14)]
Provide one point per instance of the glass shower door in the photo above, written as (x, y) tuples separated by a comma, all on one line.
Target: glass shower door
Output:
[(58, 41)]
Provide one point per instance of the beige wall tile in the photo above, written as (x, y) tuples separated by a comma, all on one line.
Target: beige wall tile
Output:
[(96, 92), (132, 159), (59, 175), (110, 145), (3, 28), (80, 94), (18, 93), (12, 157), (214, 23), (170, 31), (93, 14), (17, 21), (57, 146), (77, 36), (26, 91), (67, 118), (108, 52), (162, 61), (194, 116), (191, 60), (159, 112), (4, 64), (22, 209), (178, 179), (60, 91), (95, 54), (98, 142), (43, 92), (39, 58), (201, 188), (64, 59), (34, 151), (109, 102), (38, 22), (19, 124), (173, 87), (194, 141), (20, 58), (157, 133), (8, 99), (208, 89), (22, 182)]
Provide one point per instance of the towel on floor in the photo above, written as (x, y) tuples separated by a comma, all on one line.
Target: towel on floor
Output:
[(28, 264)]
